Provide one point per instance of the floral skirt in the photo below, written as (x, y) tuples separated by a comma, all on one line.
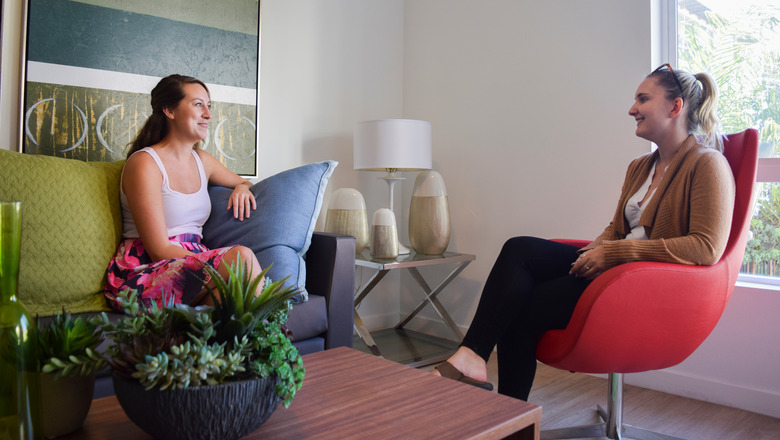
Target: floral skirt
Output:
[(183, 277)]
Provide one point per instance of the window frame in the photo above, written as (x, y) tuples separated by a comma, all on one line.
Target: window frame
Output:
[(665, 50)]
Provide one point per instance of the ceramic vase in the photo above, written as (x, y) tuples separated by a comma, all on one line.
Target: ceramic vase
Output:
[(429, 215), (384, 235), (347, 215)]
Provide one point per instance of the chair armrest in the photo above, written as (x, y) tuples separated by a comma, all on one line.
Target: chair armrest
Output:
[(330, 272)]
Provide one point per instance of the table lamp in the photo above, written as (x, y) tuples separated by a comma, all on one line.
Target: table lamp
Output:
[(392, 145)]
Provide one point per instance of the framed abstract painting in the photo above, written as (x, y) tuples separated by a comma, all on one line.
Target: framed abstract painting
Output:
[(91, 64)]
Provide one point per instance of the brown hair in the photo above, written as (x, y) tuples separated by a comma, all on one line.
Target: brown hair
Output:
[(700, 94), (165, 95)]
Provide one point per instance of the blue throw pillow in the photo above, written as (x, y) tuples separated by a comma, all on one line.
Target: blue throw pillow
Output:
[(280, 230)]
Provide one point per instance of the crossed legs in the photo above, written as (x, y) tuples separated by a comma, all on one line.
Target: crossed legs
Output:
[(529, 291)]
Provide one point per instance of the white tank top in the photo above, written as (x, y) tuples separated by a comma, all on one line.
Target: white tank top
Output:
[(184, 213)]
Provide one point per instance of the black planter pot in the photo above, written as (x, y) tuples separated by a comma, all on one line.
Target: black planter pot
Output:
[(227, 411)]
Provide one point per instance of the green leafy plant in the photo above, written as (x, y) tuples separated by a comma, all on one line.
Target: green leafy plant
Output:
[(241, 337), (68, 346)]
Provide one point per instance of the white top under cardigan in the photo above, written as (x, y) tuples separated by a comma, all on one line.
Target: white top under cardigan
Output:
[(633, 211), (184, 213)]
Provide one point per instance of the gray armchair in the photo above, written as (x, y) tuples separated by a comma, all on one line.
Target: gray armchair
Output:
[(325, 320)]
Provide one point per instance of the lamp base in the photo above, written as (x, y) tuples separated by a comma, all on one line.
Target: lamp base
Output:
[(391, 178)]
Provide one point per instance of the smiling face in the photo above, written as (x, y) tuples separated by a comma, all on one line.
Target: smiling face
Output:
[(652, 110), (190, 118)]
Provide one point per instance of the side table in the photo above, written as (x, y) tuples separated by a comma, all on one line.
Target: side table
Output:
[(405, 339)]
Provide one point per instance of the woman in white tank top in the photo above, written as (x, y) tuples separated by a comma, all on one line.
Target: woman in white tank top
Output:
[(165, 202)]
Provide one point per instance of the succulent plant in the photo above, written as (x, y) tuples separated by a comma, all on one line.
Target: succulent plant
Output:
[(237, 310), (140, 333), (68, 346), (241, 336)]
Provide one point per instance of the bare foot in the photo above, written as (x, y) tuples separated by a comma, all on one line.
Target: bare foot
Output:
[(468, 363)]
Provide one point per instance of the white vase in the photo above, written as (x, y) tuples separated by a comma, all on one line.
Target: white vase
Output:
[(347, 215), (384, 235), (429, 215)]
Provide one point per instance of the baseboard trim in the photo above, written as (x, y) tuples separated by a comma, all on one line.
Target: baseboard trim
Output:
[(708, 390)]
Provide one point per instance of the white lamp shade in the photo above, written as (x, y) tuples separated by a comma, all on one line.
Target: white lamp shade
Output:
[(402, 144)]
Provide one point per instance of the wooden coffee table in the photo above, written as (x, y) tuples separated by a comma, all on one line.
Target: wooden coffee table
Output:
[(350, 394)]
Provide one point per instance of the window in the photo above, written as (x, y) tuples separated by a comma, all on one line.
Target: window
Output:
[(738, 43)]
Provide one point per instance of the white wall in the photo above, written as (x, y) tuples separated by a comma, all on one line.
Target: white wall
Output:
[(529, 107), (9, 74), (324, 66)]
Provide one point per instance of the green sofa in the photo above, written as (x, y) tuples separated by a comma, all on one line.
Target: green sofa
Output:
[(72, 224)]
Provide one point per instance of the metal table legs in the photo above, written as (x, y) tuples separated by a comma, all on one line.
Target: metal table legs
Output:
[(430, 298)]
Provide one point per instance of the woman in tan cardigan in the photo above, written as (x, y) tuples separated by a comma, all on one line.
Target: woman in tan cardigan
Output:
[(675, 206)]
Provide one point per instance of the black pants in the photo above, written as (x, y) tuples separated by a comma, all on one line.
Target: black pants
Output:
[(529, 291)]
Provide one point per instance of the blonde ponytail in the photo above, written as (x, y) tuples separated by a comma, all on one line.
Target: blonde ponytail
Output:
[(703, 119)]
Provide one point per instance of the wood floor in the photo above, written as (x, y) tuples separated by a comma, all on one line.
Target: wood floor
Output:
[(570, 399)]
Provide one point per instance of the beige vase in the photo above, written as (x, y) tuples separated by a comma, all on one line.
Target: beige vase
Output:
[(429, 215), (384, 235), (65, 402), (347, 215)]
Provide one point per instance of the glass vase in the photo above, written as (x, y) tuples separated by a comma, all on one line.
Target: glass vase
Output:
[(20, 416)]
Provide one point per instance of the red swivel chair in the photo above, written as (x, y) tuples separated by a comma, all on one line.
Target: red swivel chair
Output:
[(647, 316)]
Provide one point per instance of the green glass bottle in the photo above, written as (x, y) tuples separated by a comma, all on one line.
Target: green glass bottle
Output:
[(20, 417)]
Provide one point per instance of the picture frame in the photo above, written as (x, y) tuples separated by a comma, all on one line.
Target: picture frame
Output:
[(89, 67)]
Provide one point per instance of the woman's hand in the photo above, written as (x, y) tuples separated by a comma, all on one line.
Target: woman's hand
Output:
[(590, 264), (242, 201)]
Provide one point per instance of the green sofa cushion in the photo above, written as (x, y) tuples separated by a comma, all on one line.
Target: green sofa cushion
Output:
[(71, 226)]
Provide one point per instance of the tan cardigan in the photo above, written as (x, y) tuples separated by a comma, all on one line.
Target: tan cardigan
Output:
[(687, 220)]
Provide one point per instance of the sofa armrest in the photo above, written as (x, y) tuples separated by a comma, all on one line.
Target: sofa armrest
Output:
[(330, 272)]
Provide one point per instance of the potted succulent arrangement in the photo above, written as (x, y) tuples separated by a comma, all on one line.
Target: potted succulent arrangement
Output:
[(208, 371), (69, 359)]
